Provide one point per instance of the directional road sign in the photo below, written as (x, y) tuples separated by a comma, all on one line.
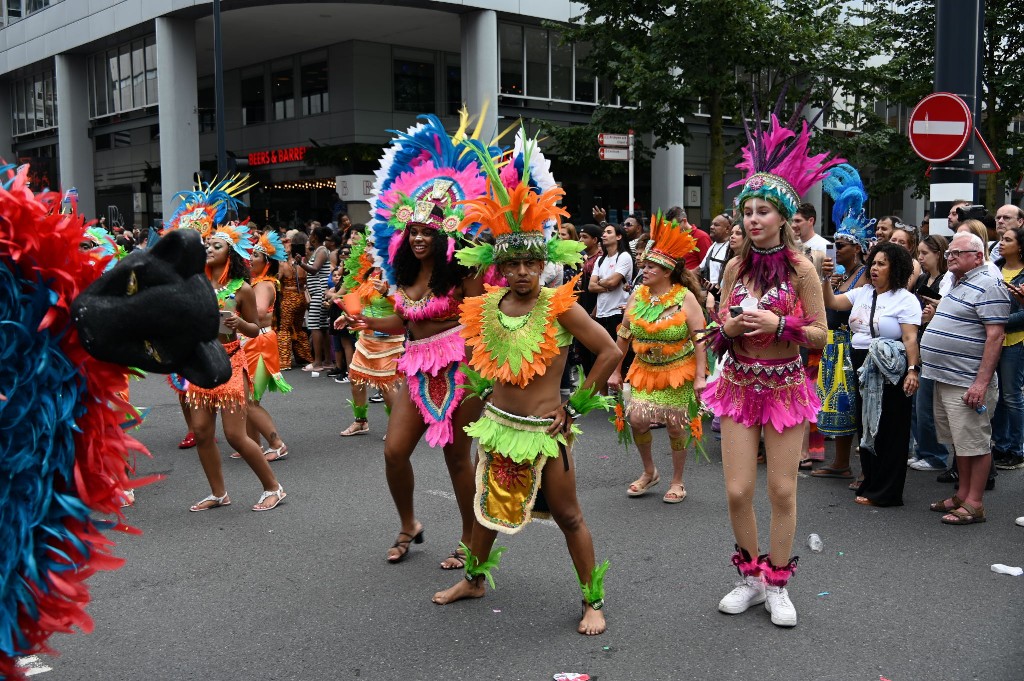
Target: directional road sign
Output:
[(613, 154), (607, 139)]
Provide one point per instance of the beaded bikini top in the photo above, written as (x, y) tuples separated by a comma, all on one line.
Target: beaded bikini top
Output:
[(782, 300), (427, 308)]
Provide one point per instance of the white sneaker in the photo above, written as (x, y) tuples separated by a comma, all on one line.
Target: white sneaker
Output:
[(749, 591), (1020, 521), (779, 605), (922, 465), (912, 460)]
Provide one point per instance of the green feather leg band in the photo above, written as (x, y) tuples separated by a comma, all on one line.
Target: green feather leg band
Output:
[(387, 409), (474, 568), (593, 593), (359, 411), (477, 385)]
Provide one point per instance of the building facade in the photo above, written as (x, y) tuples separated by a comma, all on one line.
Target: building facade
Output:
[(117, 98)]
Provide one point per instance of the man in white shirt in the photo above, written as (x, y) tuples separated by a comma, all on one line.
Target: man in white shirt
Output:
[(803, 225), (713, 266)]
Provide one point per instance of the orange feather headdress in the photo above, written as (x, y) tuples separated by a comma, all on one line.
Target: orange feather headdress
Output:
[(669, 242)]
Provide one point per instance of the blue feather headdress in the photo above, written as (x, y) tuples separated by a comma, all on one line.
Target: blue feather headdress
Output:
[(847, 191)]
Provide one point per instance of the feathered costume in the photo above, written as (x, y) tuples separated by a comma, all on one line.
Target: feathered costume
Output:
[(202, 207), (261, 353), (375, 360), (230, 395), (64, 452), (424, 175), (519, 210), (661, 376), (776, 392)]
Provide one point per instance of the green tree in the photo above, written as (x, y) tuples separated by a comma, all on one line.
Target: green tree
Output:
[(679, 57)]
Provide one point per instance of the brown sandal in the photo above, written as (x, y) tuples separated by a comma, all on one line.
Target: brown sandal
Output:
[(968, 516), (940, 506)]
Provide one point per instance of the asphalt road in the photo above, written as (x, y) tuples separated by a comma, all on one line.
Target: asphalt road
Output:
[(304, 592)]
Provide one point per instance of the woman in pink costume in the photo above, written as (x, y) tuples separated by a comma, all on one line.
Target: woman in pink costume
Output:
[(423, 177), (772, 305)]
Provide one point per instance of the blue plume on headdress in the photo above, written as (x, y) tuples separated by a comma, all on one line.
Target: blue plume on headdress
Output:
[(845, 187)]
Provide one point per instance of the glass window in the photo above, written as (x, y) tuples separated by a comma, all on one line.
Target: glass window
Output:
[(414, 85), (113, 89), (17, 107), (537, 62), (151, 74), (98, 90), (49, 103), (206, 102), (585, 89), (138, 73), (511, 55), (313, 82), (13, 9), (38, 98), (282, 83), (453, 83), (124, 65), (561, 69), (254, 108)]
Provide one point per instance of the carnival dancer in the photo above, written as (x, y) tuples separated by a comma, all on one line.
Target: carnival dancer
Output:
[(415, 229), (205, 205), (520, 337), (261, 352), (773, 307), (662, 318), (375, 360), (292, 341), (228, 247)]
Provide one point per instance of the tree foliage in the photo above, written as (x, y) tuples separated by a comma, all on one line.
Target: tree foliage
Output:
[(678, 58)]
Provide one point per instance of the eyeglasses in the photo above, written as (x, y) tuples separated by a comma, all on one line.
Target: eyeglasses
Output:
[(957, 254)]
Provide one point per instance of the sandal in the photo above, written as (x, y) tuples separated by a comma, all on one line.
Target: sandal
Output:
[(278, 494), (807, 464), (309, 367), (864, 501), (358, 427), (968, 516), (214, 501), (832, 472), (457, 555), (674, 497), (276, 454), (940, 506), (641, 487), (855, 485), (403, 545)]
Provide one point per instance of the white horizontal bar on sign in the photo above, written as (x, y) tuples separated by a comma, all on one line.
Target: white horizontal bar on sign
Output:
[(951, 191), (926, 127)]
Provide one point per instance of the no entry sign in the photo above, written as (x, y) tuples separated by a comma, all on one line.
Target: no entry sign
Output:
[(940, 126)]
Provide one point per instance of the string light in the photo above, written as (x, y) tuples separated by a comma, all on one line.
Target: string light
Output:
[(320, 183)]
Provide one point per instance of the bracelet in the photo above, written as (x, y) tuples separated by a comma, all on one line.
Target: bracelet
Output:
[(721, 330), (782, 327), (570, 411)]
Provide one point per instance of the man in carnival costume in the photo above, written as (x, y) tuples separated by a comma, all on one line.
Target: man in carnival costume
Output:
[(519, 337)]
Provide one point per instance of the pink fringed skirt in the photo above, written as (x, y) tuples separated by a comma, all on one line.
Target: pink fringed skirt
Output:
[(759, 392), (436, 386)]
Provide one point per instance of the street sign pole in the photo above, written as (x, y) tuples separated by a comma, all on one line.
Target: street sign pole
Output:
[(632, 196)]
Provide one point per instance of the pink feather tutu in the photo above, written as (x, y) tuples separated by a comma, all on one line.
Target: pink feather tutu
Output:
[(758, 392), (436, 386)]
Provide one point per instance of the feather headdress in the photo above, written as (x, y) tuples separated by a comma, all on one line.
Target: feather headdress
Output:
[(238, 236), (519, 212), (103, 247), (423, 176), (669, 242), (776, 161), (847, 191), (269, 244), (208, 203)]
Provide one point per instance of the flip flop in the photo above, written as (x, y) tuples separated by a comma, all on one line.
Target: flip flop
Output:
[(641, 487), (831, 472)]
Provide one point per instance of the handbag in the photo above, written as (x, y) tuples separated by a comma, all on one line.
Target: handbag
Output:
[(837, 387)]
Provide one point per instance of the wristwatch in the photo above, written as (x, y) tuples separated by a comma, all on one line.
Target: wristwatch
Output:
[(913, 367)]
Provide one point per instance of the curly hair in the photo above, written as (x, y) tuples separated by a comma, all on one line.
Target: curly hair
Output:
[(443, 277), (901, 266)]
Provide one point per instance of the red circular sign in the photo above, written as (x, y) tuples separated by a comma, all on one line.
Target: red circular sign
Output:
[(940, 126)]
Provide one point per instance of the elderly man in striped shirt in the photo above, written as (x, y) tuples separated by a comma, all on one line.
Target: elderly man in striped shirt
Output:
[(960, 352)]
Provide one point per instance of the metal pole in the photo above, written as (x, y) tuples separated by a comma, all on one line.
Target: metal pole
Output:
[(629, 208), (218, 90), (958, 57)]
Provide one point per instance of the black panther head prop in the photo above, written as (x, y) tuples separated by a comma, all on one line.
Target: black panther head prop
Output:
[(156, 310)]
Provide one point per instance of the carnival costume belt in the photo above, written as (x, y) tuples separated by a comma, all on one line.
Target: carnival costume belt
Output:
[(230, 395), (512, 453), (264, 363), (758, 392), (436, 386)]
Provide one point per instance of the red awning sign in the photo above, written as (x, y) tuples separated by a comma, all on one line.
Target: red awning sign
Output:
[(940, 126)]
